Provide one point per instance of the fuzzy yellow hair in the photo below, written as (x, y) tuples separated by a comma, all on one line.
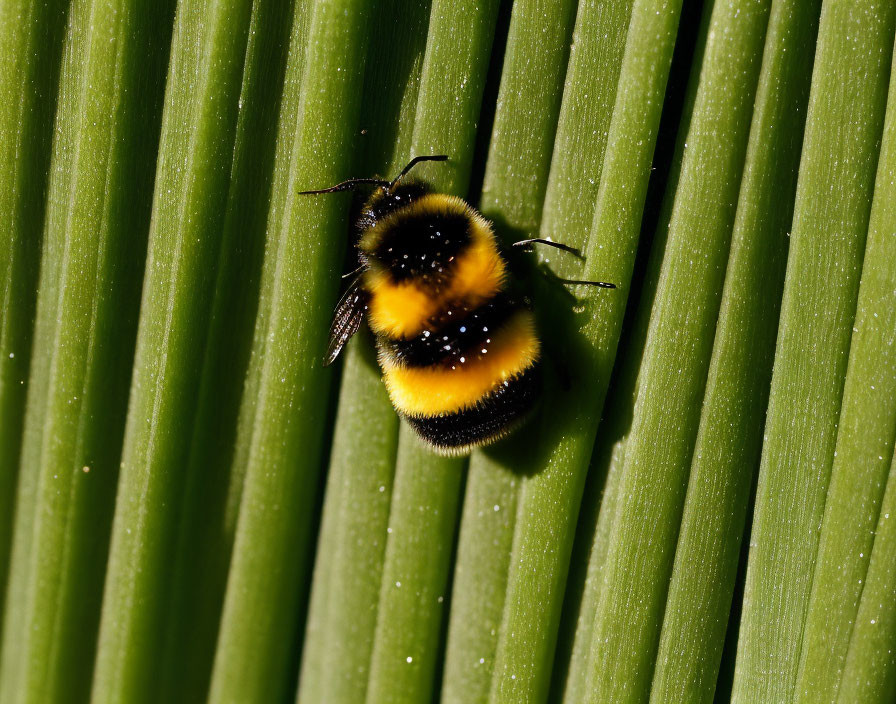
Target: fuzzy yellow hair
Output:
[(428, 391)]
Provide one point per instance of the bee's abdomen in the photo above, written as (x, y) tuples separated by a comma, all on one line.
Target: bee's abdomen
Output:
[(455, 339), (465, 382), (493, 417)]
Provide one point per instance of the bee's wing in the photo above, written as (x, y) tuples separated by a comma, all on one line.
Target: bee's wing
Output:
[(347, 319)]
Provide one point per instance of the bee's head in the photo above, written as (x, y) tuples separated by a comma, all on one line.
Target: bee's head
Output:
[(385, 201)]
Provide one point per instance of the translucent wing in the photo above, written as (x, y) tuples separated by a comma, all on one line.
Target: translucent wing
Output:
[(347, 319)]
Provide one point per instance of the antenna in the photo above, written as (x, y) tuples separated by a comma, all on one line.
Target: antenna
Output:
[(349, 185), (353, 183), (413, 162)]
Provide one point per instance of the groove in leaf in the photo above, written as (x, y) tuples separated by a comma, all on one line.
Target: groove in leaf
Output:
[(730, 434), (448, 104), (865, 437), (833, 200), (280, 436), (198, 126), (30, 47)]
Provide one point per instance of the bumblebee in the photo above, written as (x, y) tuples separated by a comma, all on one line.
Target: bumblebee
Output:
[(456, 339)]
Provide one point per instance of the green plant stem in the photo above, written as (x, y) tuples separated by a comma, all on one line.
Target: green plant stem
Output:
[(451, 86), (480, 578), (312, 678), (573, 649), (516, 175), (364, 473), (282, 442), (198, 129), (598, 505), (867, 431), (351, 545), (458, 48), (422, 525), (522, 139), (97, 215), (30, 47), (205, 539), (729, 437), (843, 128), (677, 355), (279, 199), (597, 46), (605, 469), (869, 673), (550, 497)]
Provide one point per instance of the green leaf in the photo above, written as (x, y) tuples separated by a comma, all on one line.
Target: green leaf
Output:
[(422, 525), (677, 354), (843, 128), (427, 490), (205, 531), (596, 559), (26, 122), (458, 49), (528, 107), (480, 578), (585, 584), (280, 195), (342, 613), (869, 674), (343, 610), (280, 437), (596, 522), (516, 175), (867, 431), (729, 439), (192, 183), (30, 46), (97, 216), (573, 179), (556, 465)]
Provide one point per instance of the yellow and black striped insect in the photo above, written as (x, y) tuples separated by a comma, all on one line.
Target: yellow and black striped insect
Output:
[(456, 338)]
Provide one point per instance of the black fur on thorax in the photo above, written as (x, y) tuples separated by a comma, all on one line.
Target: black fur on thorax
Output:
[(420, 244)]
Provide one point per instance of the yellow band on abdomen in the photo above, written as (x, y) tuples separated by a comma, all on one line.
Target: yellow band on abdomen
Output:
[(428, 391)]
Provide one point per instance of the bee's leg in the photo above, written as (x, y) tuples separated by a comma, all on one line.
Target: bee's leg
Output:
[(527, 245), (573, 282), (550, 275), (354, 271)]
